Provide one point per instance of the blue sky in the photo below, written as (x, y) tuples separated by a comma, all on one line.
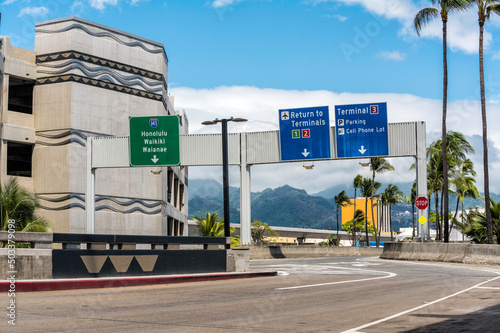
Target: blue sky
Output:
[(252, 57)]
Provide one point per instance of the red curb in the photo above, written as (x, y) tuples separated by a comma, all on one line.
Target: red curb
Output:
[(60, 284)]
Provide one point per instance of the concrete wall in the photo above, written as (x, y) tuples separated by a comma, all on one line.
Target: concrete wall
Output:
[(271, 252), (30, 264), (446, 252)]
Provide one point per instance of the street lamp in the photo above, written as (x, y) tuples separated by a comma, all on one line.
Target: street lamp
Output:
[(225, 170)]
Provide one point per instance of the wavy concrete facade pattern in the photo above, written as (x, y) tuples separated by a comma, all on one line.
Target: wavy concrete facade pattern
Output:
[(87, 80), (101, 73), (100, 34), (64, 201)]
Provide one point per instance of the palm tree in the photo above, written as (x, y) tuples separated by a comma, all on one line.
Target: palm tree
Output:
[(485, 8), (457, 148), (435, 179), (476, 225), (392, 196), (356, 184), (19, 205), (341, 200), (464, 183), (356, 224), (208, 226), (377, 165), (412, 199), (423, 17), (366, 191)]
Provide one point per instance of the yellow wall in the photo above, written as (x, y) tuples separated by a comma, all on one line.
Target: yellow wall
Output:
[(348, 211)]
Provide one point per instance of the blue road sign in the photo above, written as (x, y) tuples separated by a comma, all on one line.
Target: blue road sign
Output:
[(361, 130), (305, 134)]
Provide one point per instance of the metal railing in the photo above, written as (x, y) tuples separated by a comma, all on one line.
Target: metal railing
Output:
[(38, 240)]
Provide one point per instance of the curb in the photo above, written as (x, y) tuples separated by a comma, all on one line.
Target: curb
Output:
[(70, 284)]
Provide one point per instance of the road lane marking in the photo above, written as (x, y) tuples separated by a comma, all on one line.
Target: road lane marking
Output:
[(389, 275), (356, 329), (488, 288)]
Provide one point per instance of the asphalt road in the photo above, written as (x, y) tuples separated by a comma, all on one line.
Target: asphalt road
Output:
[(342, 294)]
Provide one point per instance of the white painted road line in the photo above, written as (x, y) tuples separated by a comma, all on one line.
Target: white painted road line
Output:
[(356, 329), (389, 275)]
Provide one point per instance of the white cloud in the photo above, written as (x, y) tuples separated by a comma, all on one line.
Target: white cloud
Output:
[(101, 4), (136, 2), (463, 32), (77, 7), (260, 107), (390, 9), (336, 16), (224, 3), (8, 2), (463, 29), (395, 55), (33, 11)]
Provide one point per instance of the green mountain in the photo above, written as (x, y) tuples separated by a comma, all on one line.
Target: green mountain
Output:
[(284, 206), (290, 207)]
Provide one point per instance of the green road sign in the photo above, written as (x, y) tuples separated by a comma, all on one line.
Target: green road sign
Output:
[(154, 141)]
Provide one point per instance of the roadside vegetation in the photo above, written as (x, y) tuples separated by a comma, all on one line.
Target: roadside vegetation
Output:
[(211, 226), (18, 204)]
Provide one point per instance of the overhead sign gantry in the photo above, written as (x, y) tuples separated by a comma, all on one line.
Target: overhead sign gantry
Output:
[(248, 149)]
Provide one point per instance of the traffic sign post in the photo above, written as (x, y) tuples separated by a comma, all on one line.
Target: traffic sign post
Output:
[(154, 141), (361, 130), (305, 134)]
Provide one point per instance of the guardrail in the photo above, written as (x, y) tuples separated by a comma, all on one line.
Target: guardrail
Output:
[(131, 242)]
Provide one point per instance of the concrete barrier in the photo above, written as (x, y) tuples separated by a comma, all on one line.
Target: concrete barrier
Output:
[(29, 264), (305, 251), (238, 260), (445, 252)]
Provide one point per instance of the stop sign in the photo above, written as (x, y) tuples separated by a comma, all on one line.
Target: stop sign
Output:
[(422, 203)]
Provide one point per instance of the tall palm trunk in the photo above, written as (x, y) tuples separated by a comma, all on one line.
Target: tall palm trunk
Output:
[(489, 224), (366, 223), (375, 227), (443, 139), (353, 221), (428, 223), (337, 224), (441, 214), (413, 219), (438, 224), (390, 222)]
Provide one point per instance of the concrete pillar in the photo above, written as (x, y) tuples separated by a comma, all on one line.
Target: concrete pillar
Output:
[(245, 195), (90, 191)]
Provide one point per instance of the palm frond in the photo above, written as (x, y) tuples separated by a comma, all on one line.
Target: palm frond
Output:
[(423, 17)]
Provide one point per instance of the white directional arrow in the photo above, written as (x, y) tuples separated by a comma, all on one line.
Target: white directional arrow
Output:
[(154, 159), (362, 150), (305, 153)]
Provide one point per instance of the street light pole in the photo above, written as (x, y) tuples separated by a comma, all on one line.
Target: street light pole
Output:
[(225, 170), (225, 180)]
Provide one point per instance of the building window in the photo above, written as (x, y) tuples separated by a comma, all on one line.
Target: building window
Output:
[(21, 95), (19, 159)]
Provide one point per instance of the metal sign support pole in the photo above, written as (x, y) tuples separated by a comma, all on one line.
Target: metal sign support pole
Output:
[(90, 190), (422, 179)]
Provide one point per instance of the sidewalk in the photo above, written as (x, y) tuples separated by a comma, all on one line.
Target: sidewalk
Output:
[(111, 282)]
